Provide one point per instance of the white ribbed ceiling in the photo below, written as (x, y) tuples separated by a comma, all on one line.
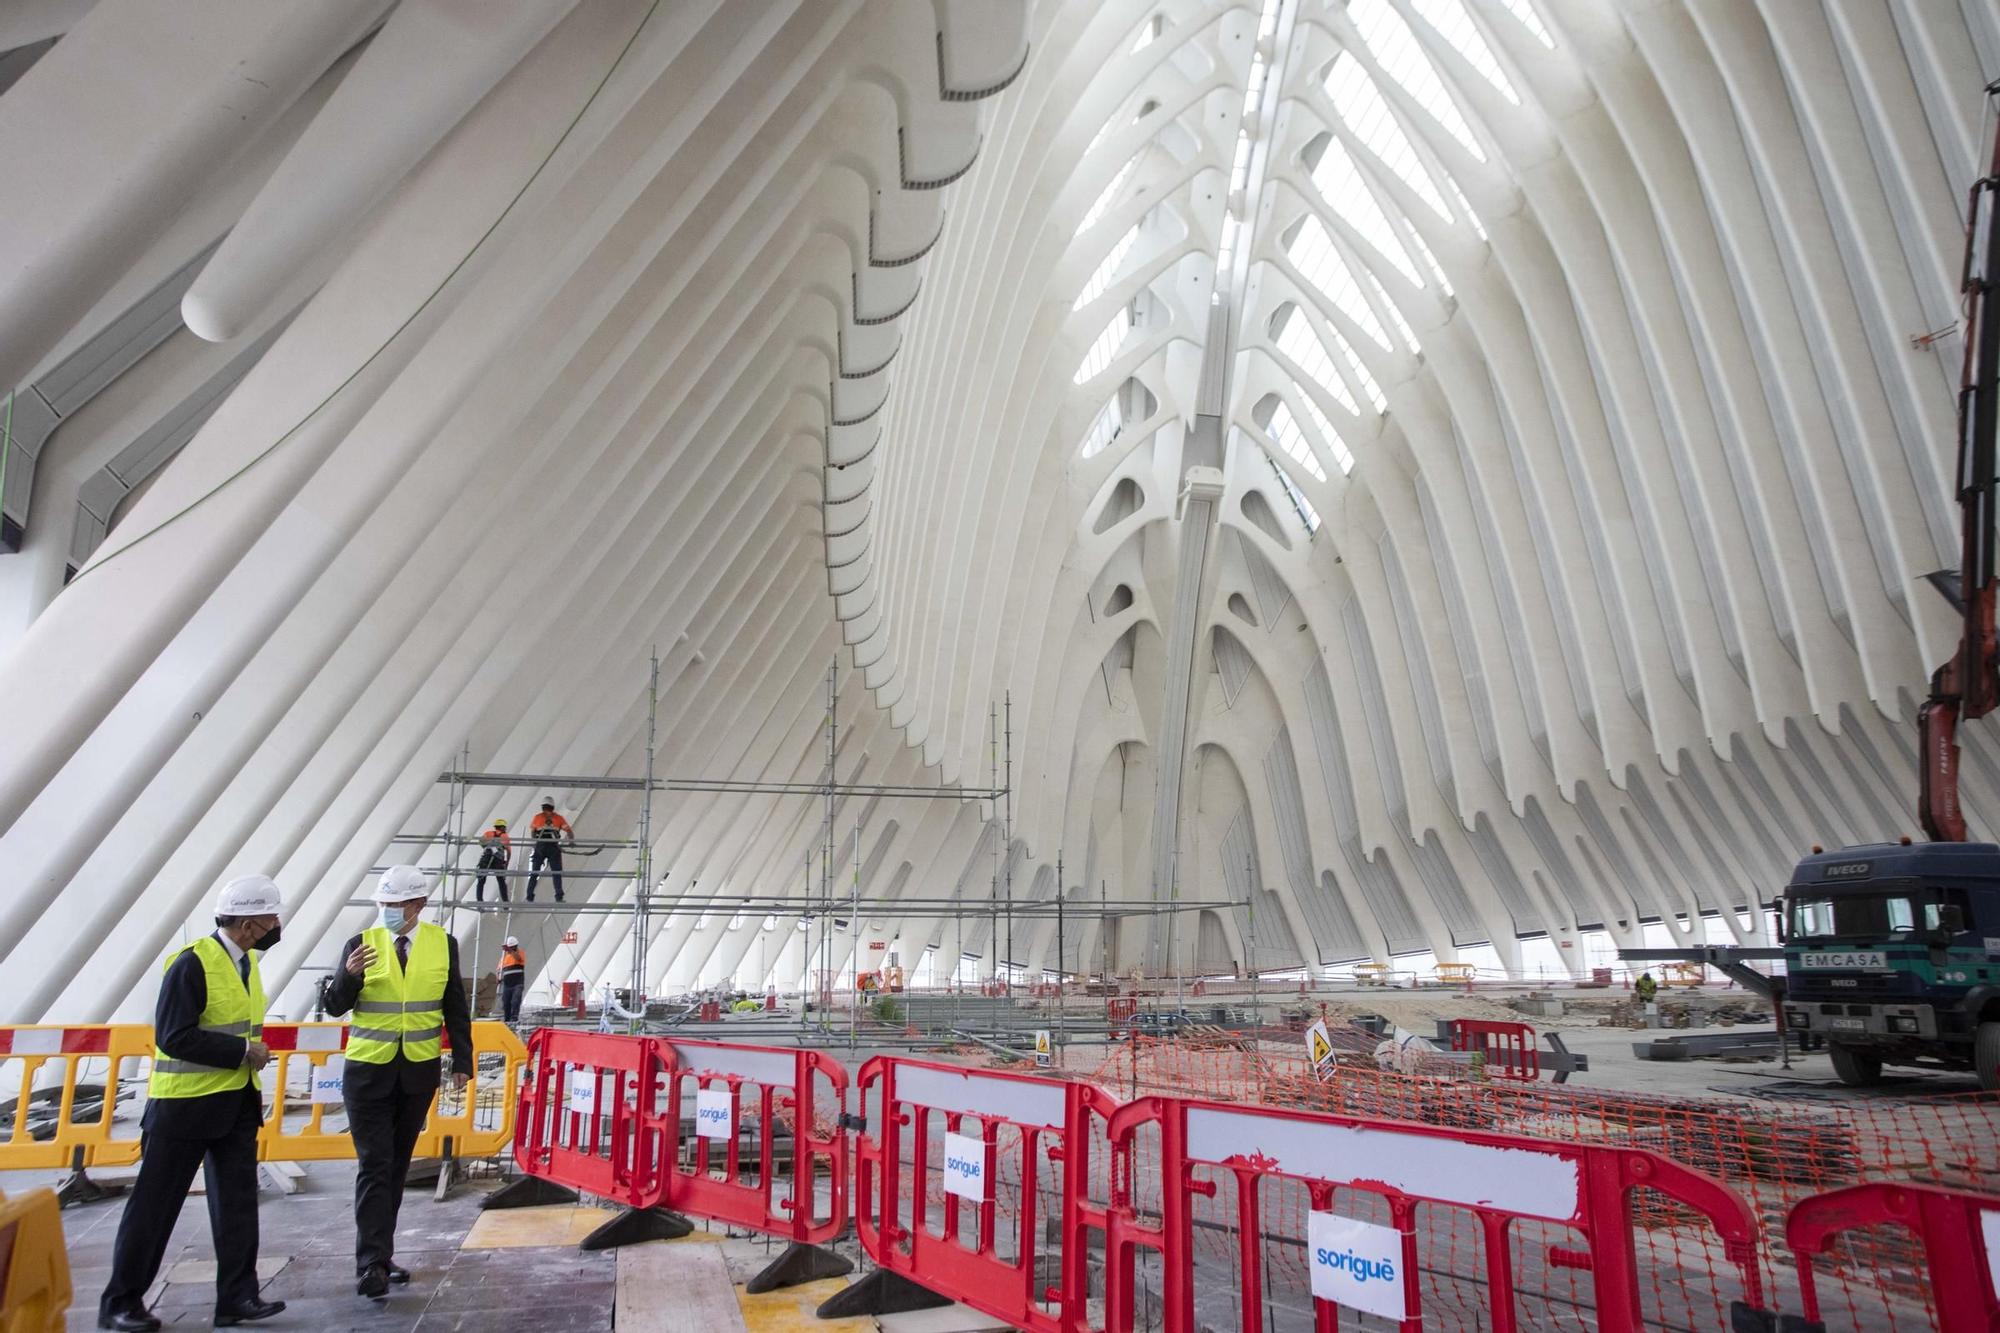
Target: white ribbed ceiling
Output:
[(1447, 470)]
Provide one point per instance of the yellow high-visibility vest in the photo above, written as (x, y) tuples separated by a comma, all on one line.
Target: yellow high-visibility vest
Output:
[(401, 1008), (231, 1008)]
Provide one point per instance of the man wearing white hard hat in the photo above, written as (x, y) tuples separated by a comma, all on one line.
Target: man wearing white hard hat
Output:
[(203, 1110), (400, 978), (513, 979)]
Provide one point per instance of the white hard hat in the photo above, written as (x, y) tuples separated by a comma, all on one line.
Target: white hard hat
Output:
[(249, 895), (548, 800), (399, 884), (513, 943)]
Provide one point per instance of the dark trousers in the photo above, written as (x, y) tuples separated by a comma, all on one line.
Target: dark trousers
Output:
[(495, 860), (546, 854), (510, 998), (384, 1127), (166, 1170)]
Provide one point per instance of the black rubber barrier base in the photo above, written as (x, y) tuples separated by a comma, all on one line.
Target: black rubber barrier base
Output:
[(881, 1292), (1748, 1319), (799, 1263), (528, 1192), (77, 1187), (635, 1225)]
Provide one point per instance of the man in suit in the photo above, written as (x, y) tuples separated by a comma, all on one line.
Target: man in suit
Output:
[(401, 980), (203, 1110)]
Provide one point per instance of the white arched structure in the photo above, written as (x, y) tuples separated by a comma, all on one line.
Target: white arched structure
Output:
[(1451, 473)]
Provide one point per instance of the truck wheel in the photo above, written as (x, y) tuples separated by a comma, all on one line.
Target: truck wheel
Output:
[(1986, 1055), (1858, 1069)]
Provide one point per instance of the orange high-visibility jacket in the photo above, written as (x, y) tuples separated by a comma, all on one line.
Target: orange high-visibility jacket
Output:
[(513, 963), (548, 820)]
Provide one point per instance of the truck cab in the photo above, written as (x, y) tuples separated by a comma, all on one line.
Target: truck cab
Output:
[(1892, 956)]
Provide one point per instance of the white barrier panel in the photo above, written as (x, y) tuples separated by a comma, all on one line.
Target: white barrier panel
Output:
[(1357, 1264), (1513, 1180), (1018, 1100), (583, 1091), (965, 1166), (326, 1081), (713, 1117)]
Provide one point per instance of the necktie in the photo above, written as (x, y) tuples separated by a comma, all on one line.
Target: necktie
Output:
[(243, 968), (403, 952)]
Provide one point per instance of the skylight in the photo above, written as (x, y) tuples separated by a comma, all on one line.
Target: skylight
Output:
[(1456, 26), (1524, 11), (1296, 341), (1346, 192), (1101, 279), (1107, 198), (1300, 505), (1404, 61), (1312, 250), (1107, 344), (1110, 420), (1362, 108), (1284, 428), (1328, 435)]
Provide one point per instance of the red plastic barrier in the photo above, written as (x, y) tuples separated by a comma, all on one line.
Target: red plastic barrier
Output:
[(1500, 1180), (784, 1086), (1509, 1048), (1959, 1230), (591, 1115), (1015, 1123)]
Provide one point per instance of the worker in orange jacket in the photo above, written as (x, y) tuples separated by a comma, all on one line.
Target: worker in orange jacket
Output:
[(550, 831), (496, 849), (513, 979)]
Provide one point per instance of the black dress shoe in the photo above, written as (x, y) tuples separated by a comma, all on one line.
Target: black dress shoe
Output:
[(129, 1321), (374, 1283), (248, 1312), (398, 1274)]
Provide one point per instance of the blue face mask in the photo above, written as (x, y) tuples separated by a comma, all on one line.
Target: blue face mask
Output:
[(392, 916)]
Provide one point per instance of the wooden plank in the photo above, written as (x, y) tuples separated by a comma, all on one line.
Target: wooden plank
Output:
[(671, 1286)]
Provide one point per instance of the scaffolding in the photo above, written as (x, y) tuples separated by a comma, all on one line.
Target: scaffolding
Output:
[(643, 904)]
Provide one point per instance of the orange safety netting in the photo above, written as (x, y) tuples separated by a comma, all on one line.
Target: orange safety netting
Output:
[(1773, 1154)]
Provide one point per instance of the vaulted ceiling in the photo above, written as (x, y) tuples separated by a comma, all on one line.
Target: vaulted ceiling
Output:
[(1427, 473)]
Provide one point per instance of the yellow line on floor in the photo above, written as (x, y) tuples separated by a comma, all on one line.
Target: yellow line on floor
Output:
[(525, 1228), (790, 1310)]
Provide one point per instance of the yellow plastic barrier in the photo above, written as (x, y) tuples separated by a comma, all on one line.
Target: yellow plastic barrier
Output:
[(476, 1123), (34, 1269), (31, 1059), (1454, 974)]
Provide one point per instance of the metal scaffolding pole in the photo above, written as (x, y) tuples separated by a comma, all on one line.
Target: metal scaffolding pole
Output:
[(643, 868)]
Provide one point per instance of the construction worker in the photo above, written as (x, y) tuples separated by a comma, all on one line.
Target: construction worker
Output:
[(203, 1110), (549, 831), (1645, 988), (496, 849), (513, 979), (400, 978)]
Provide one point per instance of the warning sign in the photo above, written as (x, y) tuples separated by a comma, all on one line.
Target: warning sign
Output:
[(569, 937), (1044, 1048), (1319, 1048)]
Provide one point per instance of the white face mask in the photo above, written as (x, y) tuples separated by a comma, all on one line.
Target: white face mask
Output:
[(392, 917)]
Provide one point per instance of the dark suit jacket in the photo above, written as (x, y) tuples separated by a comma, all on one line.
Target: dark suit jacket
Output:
[(399, 1074), (177, 1031)]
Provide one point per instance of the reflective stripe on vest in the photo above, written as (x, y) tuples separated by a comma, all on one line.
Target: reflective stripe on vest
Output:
[(230, 1009), (401, 1008)]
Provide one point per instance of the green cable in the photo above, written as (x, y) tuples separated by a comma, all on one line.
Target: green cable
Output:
[(444, 282)]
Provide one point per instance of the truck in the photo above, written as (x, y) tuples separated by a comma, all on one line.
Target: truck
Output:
[(1892, 950), (1892, 956)]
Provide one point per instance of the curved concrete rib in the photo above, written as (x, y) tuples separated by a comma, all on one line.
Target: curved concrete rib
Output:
[(429, 65), (195, 82)]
